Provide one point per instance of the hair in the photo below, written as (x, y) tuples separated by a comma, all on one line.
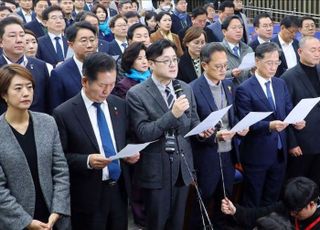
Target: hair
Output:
[(73, 30), (130, 55), (256, 20), (47, 11), (161, 14), (290, 21), (86, 14), (207, 5), (273, 221), (3, 8), (225, 4), (266, 47), (225, 24), (148, 15), (305, 39), (209, 49), (96, 63), (10, 2), (123, 2), (8, 72), (132, 29), (198, 11), (31, 33), (98, 5), (299, 192), (131, 14), (114, 19), (156, 49), (304, 19), (35, 2), (193, 33), (9, 21), (136, 2)]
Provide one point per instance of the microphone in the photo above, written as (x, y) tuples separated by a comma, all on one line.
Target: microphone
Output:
[(177, 88)]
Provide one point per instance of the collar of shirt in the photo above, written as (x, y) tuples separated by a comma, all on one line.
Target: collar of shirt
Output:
[(25, 13), (262, 81), (24, 63), (78, 63), (88, 103), (260, 40), (211, 84), (162, 87), (283, 43), (52, 36), (231, 45), (120, 43)]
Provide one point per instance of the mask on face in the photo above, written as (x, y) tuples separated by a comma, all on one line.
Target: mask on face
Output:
[(166, 8)]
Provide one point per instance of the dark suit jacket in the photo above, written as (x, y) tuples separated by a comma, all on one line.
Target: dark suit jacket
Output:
[(176, 23), (150, 118), (46, 50), (64, 83), (300, 87), (40, 75), (35, 27), (113, 12), (254, 44), (114, 49), (216, 30), (283, 67), (260, 146), (205, 154), (33, 15), (186, 71), (78, 141), (103, 46)]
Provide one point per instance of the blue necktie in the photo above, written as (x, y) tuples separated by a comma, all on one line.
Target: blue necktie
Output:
[(235, 51), (114, 167), (124, 45), (59, 49), (271, 102)]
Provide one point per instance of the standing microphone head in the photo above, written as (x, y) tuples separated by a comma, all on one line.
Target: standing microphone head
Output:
[(177, 88)]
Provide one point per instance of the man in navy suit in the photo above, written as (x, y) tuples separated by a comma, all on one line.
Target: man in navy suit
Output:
[(288, 44), (180, 17), (25, 11), (36, 25), (13, 52), (226, 9), (99, 186), (263, 27), (119, 28), (213, 92), (52, 48), (65, 80), (264, 149)]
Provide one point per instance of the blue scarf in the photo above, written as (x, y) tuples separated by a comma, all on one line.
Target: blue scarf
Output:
[(104, 27), (138, 76)]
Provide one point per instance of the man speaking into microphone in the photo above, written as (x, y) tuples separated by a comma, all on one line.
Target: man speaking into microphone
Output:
[(157, 113)]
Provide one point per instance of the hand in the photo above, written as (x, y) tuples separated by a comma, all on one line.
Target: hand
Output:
[(53, 218), (97, 161), (296, 151), (300, 125), (207, 133), (224, 135), (236, 72), (133, 159), (227, 207), (277, 125), (37, 225), (243, 132), (179, 106)]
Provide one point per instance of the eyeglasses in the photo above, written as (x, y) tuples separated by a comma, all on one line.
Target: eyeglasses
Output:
[(86, 41), (121, 25), (168, 62), (56, 18), (292, 31), (272, 63)]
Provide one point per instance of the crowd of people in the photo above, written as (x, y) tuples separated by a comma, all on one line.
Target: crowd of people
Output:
[(79, 80)]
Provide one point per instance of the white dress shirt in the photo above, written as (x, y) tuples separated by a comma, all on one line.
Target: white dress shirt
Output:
[(53, 40), (289, 53), (262, 81)]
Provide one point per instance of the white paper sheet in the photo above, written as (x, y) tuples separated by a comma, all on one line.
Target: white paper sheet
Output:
[(146, 5), (209, 122), (250, 119), (248, 62), (129, 150), (301, 110)]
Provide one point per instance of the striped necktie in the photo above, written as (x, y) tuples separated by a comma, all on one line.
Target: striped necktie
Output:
[(170, 98)]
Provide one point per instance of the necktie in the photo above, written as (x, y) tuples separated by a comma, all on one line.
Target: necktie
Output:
[(271, 102), (90, 6), (114, 167), (124, 45), (235, 51), (59, 49), (170, 98)]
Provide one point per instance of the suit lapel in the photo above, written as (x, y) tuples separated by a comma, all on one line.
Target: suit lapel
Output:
[(282, 57), (75, 74), (50, 48), (155, 93), (113, 110), (228, 92), (81, 113), (206, 93), (260, 93)]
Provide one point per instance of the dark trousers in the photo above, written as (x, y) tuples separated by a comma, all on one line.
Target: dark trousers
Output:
[(111, 214), (161, 213), (306, 165), (263, 183)]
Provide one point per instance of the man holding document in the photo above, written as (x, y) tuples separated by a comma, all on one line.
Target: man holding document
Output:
[(213, 92), (92, 128), (264, 149)]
